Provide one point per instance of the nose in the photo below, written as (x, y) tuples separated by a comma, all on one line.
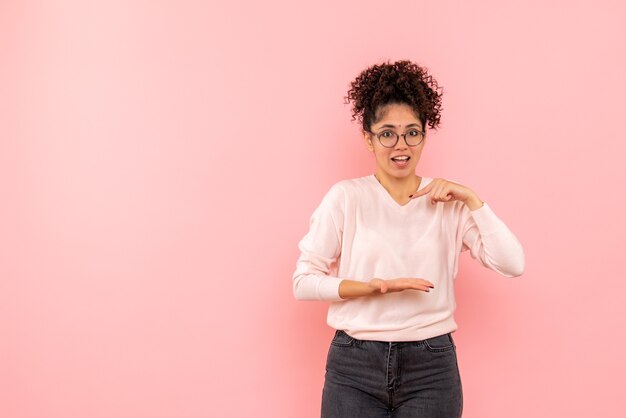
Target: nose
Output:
[(401, 144)]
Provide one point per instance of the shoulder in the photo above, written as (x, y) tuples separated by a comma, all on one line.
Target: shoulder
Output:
[(353, 187), (348, 190)]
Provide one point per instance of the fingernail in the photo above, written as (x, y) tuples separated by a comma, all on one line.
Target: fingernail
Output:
[(410, 195)]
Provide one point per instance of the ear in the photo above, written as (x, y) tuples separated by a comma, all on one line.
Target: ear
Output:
[(368, 141)]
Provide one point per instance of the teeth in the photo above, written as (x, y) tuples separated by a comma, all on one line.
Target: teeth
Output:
[(403, 158)]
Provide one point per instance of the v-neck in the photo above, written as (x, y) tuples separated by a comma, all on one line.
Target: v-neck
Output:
[(390, 200)]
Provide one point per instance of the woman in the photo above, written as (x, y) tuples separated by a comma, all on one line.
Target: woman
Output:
[(384, 251)]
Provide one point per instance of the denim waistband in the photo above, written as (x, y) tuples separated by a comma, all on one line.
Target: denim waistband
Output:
[(342, 334)]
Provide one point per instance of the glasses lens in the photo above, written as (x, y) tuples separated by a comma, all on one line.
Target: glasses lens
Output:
[(414, 137), (388, 139)]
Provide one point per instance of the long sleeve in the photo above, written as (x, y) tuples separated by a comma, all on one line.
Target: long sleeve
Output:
[(491, 242), (320, 249)]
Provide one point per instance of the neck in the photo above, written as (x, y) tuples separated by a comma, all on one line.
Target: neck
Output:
[(399, 187)]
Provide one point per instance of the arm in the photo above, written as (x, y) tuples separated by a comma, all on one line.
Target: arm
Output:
[(490, 240), (481, 231), (319, 251)]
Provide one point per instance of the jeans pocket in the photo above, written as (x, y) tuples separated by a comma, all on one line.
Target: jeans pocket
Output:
[(440, 344), (341, 339)]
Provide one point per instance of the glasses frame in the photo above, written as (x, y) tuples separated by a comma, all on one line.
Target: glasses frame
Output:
[(378, 135)]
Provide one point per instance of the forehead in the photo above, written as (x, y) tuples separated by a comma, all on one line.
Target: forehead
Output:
[(396, 115)]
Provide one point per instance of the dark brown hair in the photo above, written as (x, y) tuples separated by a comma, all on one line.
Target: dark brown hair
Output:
[(402, 82)]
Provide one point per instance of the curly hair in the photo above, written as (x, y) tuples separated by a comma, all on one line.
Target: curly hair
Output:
[(401, 82)]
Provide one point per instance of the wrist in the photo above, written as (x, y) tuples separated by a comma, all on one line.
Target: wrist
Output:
[(473, 202), (355, 288), (373, 287)]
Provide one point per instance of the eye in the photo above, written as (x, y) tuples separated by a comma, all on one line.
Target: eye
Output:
[(387, 134), (413, 132)]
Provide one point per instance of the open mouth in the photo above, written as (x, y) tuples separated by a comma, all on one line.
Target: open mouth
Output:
[(401, 161)]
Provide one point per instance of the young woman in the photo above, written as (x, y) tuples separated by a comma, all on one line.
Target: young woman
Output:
[(384, 251)]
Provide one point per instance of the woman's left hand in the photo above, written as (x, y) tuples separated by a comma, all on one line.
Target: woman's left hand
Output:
[(442, 190)]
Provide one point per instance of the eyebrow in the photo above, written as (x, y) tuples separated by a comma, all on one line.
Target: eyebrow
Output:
[(393, 126)]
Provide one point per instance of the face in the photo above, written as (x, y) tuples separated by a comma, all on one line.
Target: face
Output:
[(393, 162)]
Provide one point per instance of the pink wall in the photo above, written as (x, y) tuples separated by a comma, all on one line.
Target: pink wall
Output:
[(159, 162)]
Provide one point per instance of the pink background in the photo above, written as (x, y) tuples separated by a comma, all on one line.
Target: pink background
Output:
[(159, 162)]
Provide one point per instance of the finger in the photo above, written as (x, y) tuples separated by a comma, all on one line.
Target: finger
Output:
[(383, 286), (445, 193), (417, 280), (445, 196), (448, 193), (421, 287), (416, 284), (432, 193), (433, 199), (439, 192), (421, 192)]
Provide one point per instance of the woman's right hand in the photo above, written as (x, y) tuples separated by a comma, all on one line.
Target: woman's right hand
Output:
[(398, 285)]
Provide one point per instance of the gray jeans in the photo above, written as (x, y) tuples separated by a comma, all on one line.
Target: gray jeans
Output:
[(392, 379)]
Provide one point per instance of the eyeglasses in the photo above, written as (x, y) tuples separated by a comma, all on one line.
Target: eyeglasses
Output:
[(389, 139)]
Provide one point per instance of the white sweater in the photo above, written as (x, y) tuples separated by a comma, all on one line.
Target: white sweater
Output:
[(359, 232)]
